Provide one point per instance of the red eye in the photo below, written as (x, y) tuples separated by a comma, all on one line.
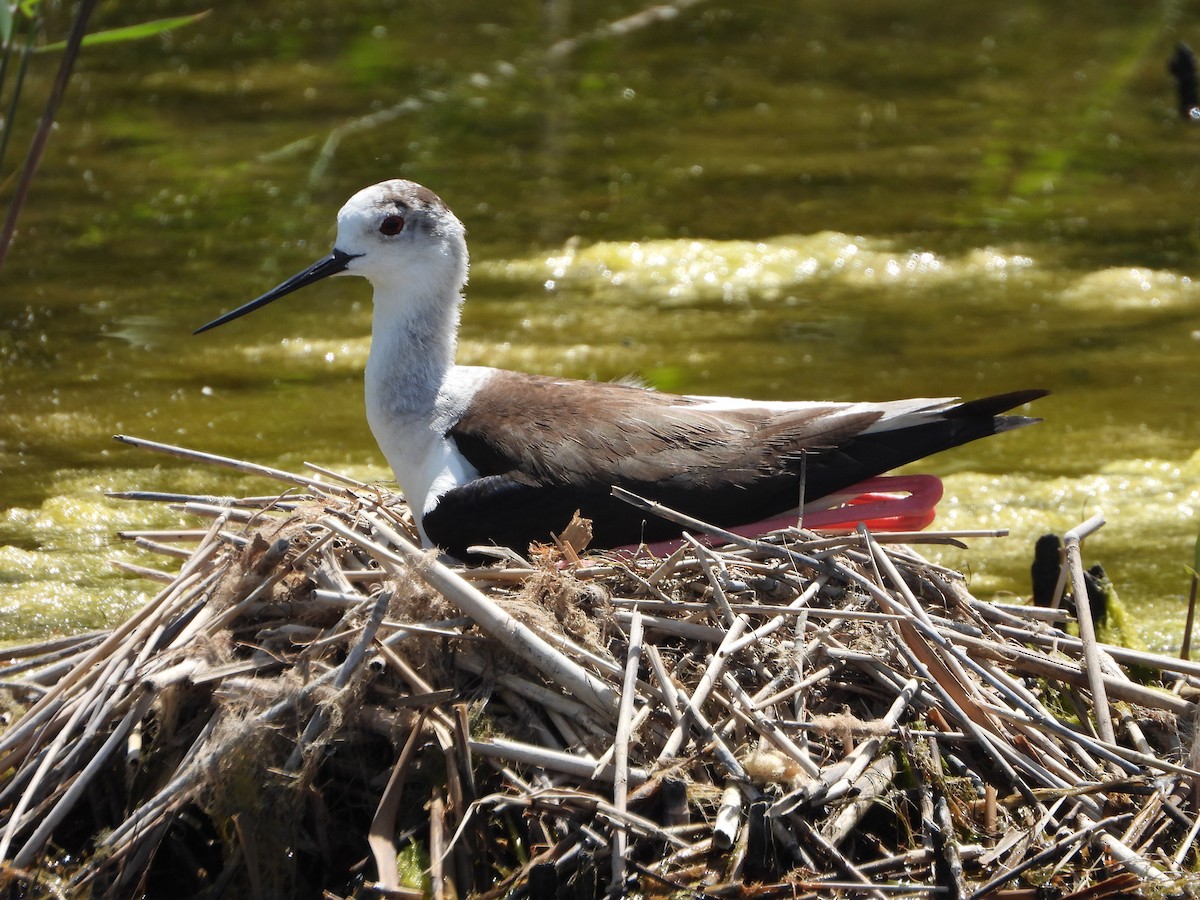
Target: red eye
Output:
[(391, 225)]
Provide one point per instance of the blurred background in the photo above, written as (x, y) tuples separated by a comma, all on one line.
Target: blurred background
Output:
[(777, 200)]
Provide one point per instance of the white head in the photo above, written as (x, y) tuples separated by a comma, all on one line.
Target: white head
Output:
[(404, 240), (398, 235)]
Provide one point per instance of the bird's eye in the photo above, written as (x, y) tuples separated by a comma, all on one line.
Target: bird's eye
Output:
[(391, 225)]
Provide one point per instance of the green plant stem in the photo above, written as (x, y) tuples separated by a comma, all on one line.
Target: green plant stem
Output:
[(1186, 650), (11, 116), (38, 147)]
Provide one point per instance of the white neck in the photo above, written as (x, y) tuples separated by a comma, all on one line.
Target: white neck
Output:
[(412, 348), (414, 392)]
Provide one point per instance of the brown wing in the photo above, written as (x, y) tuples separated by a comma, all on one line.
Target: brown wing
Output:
[(545, 431)]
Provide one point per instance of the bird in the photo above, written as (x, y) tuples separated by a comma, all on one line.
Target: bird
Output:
[(488, 456)]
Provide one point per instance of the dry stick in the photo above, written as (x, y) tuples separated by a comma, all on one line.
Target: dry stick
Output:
[(1038, 715), (729, 817), (344, 673), (767, 728), (693, 631), (553, 760), (1030, 662), (457, 807), (248, 846), (952, 661), (1132, 860), (340, 477), (1151, 810), (719, 658), (178, 535), (1059, 847), (36, 715), (201, 758), (577, 652), (55, 652), (247, 468), (543, 696), (950, 536), (1012, 611), (1087, 630), (775, 623), (797, 690), (709, 562), (861, 756), (146, 572), (437, 845), (1059, 640), (229, 513), (1134, 730), (942, 827), (639, 719), (516, 637), (753, 609), (720, 750), (666, 686), (621, 751), (523, 712), (814, 837), (666, 567), (36, 842), (869, 787), (52, 647), (560, 801), (103, 680), (1186, 844), (836, 781), (204, 499), (728, 537), (799, 663)]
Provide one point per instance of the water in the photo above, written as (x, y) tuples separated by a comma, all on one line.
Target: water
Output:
[(820, 202)]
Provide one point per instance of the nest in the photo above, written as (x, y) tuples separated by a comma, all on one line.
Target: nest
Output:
[(314, 706)]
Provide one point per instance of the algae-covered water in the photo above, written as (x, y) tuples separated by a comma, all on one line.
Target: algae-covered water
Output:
[(842, 201)]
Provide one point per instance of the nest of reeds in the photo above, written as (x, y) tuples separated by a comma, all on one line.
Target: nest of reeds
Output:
[(313, 705)]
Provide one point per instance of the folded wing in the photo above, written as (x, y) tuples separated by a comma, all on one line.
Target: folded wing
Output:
[(545, 448)]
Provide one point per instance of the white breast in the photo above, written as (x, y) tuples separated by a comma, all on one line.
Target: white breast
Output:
[(413, 438)]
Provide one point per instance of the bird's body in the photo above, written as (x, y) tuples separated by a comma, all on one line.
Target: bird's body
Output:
[(487, 455)]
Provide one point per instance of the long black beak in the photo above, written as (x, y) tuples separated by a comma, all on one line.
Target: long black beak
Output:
[(332, 264)]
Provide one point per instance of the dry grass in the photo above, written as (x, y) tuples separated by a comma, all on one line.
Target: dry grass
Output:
[(314, 704)]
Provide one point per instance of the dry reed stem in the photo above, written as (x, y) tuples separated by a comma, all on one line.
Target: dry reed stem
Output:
[(621, 751), (787, 681), (1087, 631)]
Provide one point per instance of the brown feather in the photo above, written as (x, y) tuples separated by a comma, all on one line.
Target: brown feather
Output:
[(604, 434)]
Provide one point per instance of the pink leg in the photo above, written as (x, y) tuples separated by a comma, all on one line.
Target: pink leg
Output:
[(872, 502)]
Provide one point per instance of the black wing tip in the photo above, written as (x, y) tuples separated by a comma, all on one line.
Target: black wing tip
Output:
[(997, 403), (993, 407), (1008, 423)]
